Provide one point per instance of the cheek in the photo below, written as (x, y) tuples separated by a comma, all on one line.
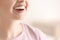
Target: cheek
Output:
[(28, 4), (5, 7), (6, 4)]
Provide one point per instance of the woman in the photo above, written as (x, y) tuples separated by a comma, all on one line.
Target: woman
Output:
[(11, 28)]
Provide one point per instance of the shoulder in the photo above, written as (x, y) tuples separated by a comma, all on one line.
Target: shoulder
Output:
[(35, 33)]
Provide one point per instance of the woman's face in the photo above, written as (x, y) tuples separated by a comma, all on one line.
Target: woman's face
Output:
[(13, 9)]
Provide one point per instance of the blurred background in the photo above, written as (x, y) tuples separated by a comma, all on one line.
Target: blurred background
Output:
[(45, 15)]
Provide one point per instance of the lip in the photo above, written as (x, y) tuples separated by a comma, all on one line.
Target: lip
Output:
[(19, 5), (18, 10), (23, 7)]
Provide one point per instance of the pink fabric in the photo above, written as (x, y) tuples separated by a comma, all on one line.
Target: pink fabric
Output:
[(30, 33)]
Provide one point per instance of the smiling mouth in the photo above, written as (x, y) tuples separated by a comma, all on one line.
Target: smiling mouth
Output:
[(19, 8)]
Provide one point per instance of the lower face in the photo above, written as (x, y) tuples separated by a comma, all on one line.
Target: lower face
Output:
[(13, 9)]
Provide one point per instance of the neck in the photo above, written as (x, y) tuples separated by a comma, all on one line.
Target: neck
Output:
[(10, 29)]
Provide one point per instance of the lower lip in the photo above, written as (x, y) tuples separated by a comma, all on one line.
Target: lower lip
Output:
[(19, 11)]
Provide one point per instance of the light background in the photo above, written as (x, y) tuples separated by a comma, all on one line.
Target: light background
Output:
[(45, 14)]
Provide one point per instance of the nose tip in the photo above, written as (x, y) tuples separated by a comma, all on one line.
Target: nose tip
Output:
[(21, 0)]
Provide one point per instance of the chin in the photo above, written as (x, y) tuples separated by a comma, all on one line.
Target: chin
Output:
[(18, 17)]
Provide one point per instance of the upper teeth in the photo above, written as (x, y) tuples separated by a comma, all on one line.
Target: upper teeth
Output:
[(20, 7)]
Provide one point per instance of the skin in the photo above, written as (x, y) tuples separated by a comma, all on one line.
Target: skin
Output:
[(10, 20)]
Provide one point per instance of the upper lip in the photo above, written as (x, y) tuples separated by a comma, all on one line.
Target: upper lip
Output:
[(20, 6)]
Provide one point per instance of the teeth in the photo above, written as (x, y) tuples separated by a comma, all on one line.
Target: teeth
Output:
[(20, 7)]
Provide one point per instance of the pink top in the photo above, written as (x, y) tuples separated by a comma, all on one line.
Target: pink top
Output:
[(30, 33)]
